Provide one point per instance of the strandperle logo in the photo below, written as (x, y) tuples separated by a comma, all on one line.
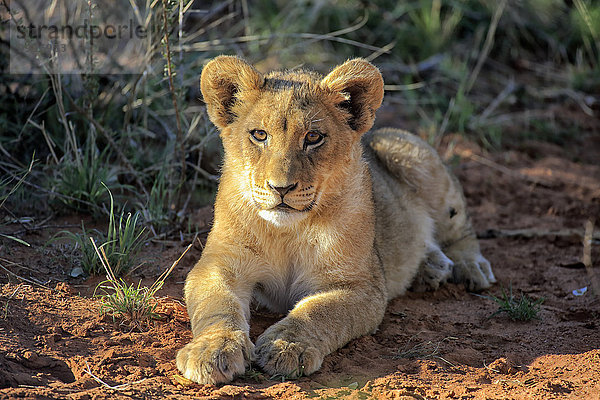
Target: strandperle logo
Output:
[(78, 36), (83, 31)]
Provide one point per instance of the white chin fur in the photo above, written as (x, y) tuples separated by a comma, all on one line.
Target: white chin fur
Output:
[(282, 218)]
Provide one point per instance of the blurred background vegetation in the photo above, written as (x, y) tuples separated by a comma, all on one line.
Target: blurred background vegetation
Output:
[(495, 71)]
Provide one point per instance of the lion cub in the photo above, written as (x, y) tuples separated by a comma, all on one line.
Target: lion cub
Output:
[(315, 218)]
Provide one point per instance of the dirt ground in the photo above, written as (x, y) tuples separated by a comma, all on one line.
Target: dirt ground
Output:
[(443, 345)]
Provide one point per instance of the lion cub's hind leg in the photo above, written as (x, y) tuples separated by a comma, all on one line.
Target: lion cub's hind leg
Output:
[(434, 270), (418, 166), (470, 266), (459, 242)]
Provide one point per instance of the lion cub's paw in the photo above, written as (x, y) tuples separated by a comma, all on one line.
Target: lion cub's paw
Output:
[(215, 356), (475, 272), (279, 352), (433, 271)]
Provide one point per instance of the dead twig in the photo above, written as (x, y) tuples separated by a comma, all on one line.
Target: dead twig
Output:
[(123, 386), (587, 256), (12, 296), (166, 273), (583, 100), (481, 120), (207, 175), (529, 233), (30, 281), (179, 132), (487, 46), (212, 44), (19, 181), (423, 66), (42, 227), (501, 168), (525, 117)]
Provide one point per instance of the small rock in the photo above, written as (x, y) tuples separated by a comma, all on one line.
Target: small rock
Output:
[(503, 366), (483, 378), (76, 272)]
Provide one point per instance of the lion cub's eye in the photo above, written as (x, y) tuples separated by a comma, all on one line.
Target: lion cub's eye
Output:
[(312, 138), (259, 135)]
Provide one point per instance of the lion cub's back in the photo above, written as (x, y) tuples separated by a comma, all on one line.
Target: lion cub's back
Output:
[(410, 187)]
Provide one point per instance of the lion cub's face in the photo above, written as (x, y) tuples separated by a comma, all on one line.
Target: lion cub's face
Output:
[(290, 135), (290, 143)]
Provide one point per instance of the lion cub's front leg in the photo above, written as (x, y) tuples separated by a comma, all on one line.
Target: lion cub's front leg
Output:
[(218, 306), (318, 325), (217, 355)]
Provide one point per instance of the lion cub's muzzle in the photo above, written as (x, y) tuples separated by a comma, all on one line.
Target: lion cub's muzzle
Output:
[(293, 197)]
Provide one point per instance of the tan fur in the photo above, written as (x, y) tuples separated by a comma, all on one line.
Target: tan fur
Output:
[(363, 220)]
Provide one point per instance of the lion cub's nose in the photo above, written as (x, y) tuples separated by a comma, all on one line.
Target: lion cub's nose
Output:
[(283, 190)]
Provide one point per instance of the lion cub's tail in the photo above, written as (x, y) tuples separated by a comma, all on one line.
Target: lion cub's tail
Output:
[(407, 157)]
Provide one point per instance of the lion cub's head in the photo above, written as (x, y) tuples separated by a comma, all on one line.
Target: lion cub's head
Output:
[(291, 138)]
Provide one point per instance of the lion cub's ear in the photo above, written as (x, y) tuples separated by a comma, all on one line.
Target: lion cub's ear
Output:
[(225, 80), (360, 85)]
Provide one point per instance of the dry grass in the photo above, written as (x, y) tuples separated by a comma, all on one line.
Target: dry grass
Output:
[(424, 350)]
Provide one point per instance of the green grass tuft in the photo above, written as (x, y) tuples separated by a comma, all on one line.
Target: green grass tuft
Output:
[(523, 308), (81, 179), (121, 244), (132, 305)]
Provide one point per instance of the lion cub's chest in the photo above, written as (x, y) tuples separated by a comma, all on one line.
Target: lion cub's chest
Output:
[(281, 293), (287, 276)]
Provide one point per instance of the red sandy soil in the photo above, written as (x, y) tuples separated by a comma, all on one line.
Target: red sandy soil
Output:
[(443, 345)]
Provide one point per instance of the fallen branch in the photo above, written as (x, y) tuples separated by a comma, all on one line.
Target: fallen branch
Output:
[(529, 233)]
